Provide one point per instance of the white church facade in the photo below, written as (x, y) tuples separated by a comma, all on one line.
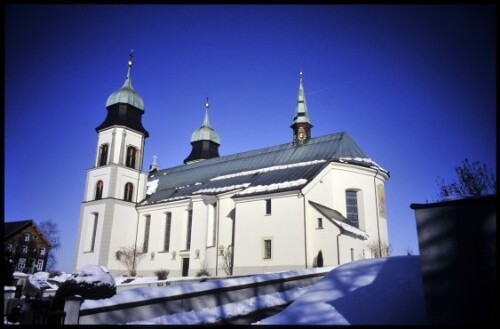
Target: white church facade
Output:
[(270, 209)]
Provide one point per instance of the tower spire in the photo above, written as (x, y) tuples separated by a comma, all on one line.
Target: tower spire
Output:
[(128, 82), (206, 122), (301, 123)]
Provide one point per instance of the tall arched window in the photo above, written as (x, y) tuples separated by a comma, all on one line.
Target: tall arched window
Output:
[(98, 190), (103, 155), (351, 198), (131, 155), (129, 189)]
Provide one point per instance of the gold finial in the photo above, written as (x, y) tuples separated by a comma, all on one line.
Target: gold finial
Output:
[(206, 104), (131, 55)]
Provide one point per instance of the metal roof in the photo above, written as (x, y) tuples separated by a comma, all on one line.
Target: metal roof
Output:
[(219, 174)]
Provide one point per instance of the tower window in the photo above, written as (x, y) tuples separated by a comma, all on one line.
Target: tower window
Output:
[(103, 155), (131, 157), (352, 207), (129, 189), (98, 190), (268, 206), (320, 222)]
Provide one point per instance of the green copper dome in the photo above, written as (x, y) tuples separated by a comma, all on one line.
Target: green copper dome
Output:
[(126, 94), (205, 132)]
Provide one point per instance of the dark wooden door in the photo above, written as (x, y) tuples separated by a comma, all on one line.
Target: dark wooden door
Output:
[(185, 266)]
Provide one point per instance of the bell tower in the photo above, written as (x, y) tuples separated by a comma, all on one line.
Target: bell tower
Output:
[(115, 182), (301, 124)]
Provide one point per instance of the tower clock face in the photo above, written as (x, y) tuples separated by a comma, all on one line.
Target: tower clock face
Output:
[(302, 136)]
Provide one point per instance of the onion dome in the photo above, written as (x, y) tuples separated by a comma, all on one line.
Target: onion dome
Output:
[(205, 141), (126, 94), (205, 132)]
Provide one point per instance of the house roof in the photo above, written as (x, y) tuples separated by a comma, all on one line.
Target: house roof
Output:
[(338, 219), (14, 228), (271, 169)]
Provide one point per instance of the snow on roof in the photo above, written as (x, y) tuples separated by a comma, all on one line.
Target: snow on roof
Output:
[(368, 161), (175, 198), (152, 185), (222, 189), (273, 187), (267, 169), (351, 229)]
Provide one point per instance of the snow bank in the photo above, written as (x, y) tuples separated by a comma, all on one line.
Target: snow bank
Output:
[(147, 293), (215, 314), (374, 291), (93, 274), (39, 281)]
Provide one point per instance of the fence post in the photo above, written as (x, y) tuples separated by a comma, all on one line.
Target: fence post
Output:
[(72, 309)]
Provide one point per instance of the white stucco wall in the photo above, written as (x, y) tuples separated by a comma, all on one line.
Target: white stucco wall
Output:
[(284, 226), (328, 189), (115, 225)]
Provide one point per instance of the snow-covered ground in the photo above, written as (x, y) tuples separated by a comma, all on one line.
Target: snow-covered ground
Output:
[(373, 291), (376, 291)]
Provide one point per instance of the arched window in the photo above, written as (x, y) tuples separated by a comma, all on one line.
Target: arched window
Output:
[(103, 155), (351, 197), (98, 190), (129, 189), (131, 155)]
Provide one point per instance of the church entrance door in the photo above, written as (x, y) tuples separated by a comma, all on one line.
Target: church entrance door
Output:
[(185, 266)]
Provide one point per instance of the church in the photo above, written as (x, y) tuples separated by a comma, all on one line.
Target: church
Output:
[(311, 201)]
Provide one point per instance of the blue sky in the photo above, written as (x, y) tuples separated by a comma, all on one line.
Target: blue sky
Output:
[(414, 86)]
